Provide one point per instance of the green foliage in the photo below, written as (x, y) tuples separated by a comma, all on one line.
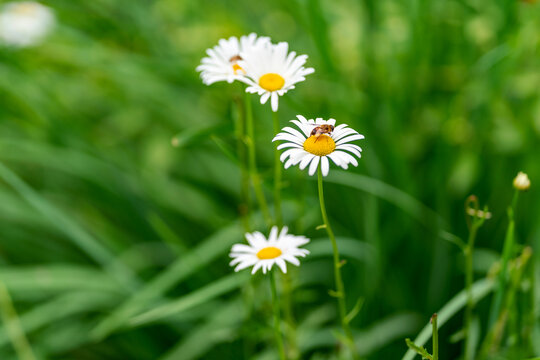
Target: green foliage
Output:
[(120, 183), (419, 350)]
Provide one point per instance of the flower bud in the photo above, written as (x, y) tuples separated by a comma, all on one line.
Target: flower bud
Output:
[(522, 182)]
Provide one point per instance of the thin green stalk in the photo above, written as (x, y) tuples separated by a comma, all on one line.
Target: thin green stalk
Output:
[(277, 176), (239, 123), (290, 332), (477, 221), (469, 278), (13, 327), (506, 255), (252, 159), (340, 288), (278, 220), (277, 318), (495, 336), (435, 337)]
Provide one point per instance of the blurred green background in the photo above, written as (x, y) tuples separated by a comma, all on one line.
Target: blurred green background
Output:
[(102, 219)]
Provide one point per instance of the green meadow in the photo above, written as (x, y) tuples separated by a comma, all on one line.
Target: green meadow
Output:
[(124, 184)]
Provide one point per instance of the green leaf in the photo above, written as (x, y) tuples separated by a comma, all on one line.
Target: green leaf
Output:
[(419, 350), (354, 311), (199, 257), (387, 192), (204, 294), (62, 307), (75, 232), (479, 289)]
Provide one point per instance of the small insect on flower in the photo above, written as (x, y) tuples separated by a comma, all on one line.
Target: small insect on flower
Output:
[(222, 61), (322, 129), (25, 23), (264, 253), (317, 141)]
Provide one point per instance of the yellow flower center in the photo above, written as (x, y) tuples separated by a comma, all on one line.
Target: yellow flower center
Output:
[(25, 8), (271, 82), (268, 253), (237, 68), (320, 146)]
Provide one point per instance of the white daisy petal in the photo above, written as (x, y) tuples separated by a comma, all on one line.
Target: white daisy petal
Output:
[(245, 264), (276, 249), (349, 148), (264, 98), (272, 70), (342, 133), (272, 237), (288, 145), (291, 259), (25, 23), (325, 165), (274, 99), (293, 132), (350, 138), (238, 248), (290, 153), (223, 61), (257, 266), (281, 263), (289, 137), (314, 165), (328, 140), (306, 160), (348, 158)]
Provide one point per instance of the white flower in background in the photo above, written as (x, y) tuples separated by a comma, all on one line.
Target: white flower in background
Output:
[(317, 141), (522, 182), (222, 61), (271, 71), (25, 23), (264, 253)]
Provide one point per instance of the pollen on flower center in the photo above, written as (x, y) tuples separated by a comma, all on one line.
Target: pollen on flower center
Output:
[(268, 253), (320, 146), (237, 68), (271, 81)]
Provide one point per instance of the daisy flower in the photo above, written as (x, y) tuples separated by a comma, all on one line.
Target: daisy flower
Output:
[(222, 61), (271, 71), (24, 23), (317, 141), (264, 253)]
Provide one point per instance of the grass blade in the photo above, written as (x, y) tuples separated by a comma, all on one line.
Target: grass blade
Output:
[(76, 233), (480, 289), (13, 326), (186, 265), (208, 292)]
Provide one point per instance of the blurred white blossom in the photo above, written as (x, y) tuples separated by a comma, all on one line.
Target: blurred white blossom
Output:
[(25, 23), (522, 182)]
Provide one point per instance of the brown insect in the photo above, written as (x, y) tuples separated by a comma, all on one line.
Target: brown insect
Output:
[(322, 129), (235, 58)]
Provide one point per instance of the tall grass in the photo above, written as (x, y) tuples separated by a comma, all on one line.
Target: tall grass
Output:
[(120, 187)]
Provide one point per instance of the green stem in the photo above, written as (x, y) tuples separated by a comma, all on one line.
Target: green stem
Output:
[(340, 293), (290, 332), (506, 255), (469, 278), (252, 159), (13, 326), (277, 318), (239, 123), (277, 176), (287, 288), (435, 337)]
